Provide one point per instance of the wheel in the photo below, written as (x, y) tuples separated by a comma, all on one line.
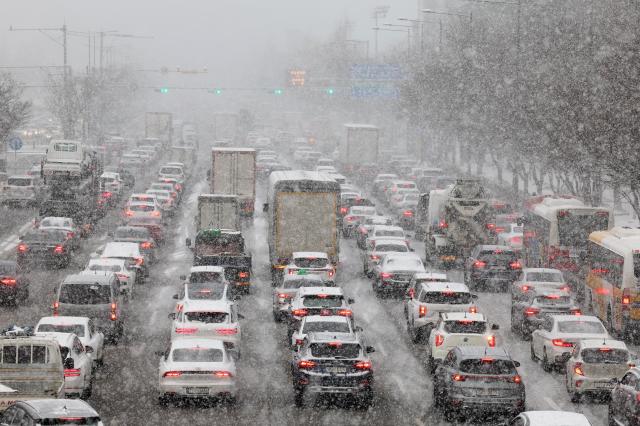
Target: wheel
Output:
[(533, 353), (231, 400), (437, 396), (365, 399), (610, 419), (86, 393), (431, 363), (277, 316), (545, 362), (163, 400), (298, 397), (524, 331), (575, 397)]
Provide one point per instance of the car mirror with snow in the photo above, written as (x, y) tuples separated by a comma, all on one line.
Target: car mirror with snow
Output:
[(351, 300), (370, 349), (175, 296), (240, 316), (88, 349), (516, 363), (495, 327), (172, 316), (359, 329)]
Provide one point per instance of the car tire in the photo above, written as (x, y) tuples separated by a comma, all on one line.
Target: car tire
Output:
[(365, 399), (546, 366), (525, 332), (277, 316), (437, 396), (610, 419), (431, 363), (533, 353), (298, 397), (86, 393)]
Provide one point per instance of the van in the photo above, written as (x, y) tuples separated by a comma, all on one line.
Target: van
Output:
[(96, 295), (30, 368)]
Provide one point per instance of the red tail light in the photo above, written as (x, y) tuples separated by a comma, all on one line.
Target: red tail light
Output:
[(56, 305), (122, 277), (350, 218), (576, 311), (146, 245), (407, 213), (491, 226), (227, 331), (562, 343), (626, 300), (458, 378), (473, 309), (284, 296), (422, 311), (139, 260), (362, 365), (345, 313), (22, 248), (525, 288), (331, 273), (178, 187), (181, 330), (300, 312), (70, 235), (577, 368), (515, 265), (172, 374), (531, 311), (156, 213), (8, 281), (439, 339), (492, 341), (385, 275), (58, 249), (516, 240), (516, 379), (106, 194), (72, 372), (222, 374), (303, 364), (343, 210), (479, 264), (243, 275), (129, 213), (443, 224)]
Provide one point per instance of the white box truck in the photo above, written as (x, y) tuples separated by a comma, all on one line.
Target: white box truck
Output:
[(233, 172), (217, 211)]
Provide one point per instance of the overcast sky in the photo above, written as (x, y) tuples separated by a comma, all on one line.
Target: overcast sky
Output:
[(223, 35)]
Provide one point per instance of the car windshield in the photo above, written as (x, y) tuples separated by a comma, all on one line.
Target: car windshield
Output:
[(205, 277), (549, 277), (60, 223), (206, 317), (311, 262), (581, 327), (205, 291), (85, 294), (488, 366), (335, 350), (389, 233), (328, 326), (18, 182), (197, 354), (403, 263), (171, 171), (446, 297), (105, 267), (465, 326), (139, 234), (77, 329), (322, 301), (604, 355)]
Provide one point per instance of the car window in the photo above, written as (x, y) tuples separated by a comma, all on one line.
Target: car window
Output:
[(205, 291), (604, 356), (291, 284), (197, 355), (311, 262), (551, 277), (395, 248), (85, 294), (322, 301), (103, 267), (329, 326), (76, 329), (335, 349), (487, 365), (206, 317), (465, 326), (205, 277), (587, 327), (445, 297)]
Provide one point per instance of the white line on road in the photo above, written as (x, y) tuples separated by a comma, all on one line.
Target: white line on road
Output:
[(552, 403)]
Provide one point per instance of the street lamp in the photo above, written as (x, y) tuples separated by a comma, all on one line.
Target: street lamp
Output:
[(378, 12), (376, 29)]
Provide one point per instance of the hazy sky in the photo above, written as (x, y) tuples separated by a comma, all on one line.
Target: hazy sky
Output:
[(223, 35)]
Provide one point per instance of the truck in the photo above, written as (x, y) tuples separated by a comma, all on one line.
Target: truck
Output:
[(218, 240), (233, 171), (459, 217), (358, 150), (303, 216), (159, 125)]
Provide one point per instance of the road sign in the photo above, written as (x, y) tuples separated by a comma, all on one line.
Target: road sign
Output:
[(15, 143), (376, 72)]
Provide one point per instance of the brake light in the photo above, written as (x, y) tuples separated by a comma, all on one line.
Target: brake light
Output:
[(553, 296), (139, 260), (385, 275), (499, 229), (492, 341), (374, 257), (439, 339), (515, 265), (22, 248), (299, 342), (516, 379), (443, 224), (490, 226), (531, 311), (411, 293), (345, 312), (156, 213), (331, 273), (227, 331), (473, 309), (576, 311), (422, 311), (362, 365), (243, 275), (72, 372), (56, 305), (181, 330), (626, 300), (561, 343), (122, 277), (300, 312), (284, 296), (222, 374), (343, 210), (407, 213), (350, 218), (479, 264), (172, 374), (304, 364), (565, 288), (458, 378), (578, 369), (146, 245), (516, 240), (178, 187)]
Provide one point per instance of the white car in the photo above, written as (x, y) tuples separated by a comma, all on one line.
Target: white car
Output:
[(215, 290), (211, 319), (550, 418), (326, 169), (196, 368), (111, 182), (595, 366), (354, 217), (127, 275), (558, 334), (317, 301), (78, 364), (394, 272), (531, 279), (405, 200), (141, 210), (288, 289), (512, 236), (323, 323), (65, 224), (377, 249), (430, 300), (459, 329), (127, 251), (310, 262), (171, 171), (83, 327)]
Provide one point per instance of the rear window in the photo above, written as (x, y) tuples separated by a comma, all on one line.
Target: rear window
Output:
[(56, 223), (322, 301), (89, 421), (488, 366), (141, 234), (301, 283), (328, 326), (205, 292), (397, 248), (206, 317), (205, 277), (24, 354), (389, 233), (444, 297), (498, 257), (335, 350), (588, 327), (550, 277), (142, 208), (85, 294), (18, 182), (311, 262), (109, 268), (465, 326), (77, 329), (171, 171), (604, 356), (45, 236), (197, 355)]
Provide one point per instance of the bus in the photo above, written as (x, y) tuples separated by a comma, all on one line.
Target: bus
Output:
[(556, 230), (611, 286)]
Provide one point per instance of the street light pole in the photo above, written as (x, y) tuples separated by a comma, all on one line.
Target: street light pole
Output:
[(376, 29), (378, 12)]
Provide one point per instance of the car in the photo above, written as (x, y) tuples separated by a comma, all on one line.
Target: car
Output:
[(127, 275), (558, 334), (528, 313), (126, 176), (169, 171), (394, 271), (376, 250), (63, 224), (424, 277), (430, 300), (166, 201), (51, 412), (51, 247), (96, 295), (388, 232), (141, 211), (14, 284), (21, 190), (534, 278), (140, 235), (406, 209), (365, 226), (624, 404), (127, 251), (144, 155), (381, 182), (324, 364), (111, 182), (459, 329), (325, 162), (210, 319), (83, 327), (287, 290), (492, 266), (315, 263), (549, 418), (177, 186), (354, 217), (205, 274), (77, 361), (131, 161), (317, 301), (478, 379), (512, 236), (595, 366), (169, 187), (336, 324), (196, 369), (214, 290)]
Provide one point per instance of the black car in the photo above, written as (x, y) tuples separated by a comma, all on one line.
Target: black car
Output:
[(52, 247), (492, 266), (14, 286)]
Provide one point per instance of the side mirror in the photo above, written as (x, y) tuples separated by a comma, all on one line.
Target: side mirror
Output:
[(183, 277), (370, 349), (474, 297), (187, 242), (495, 327), (565, 356), (88, 349), (175, 296), (516, 363), (351, 301), (240, 316), (265, 207), (159, 353), (172, 315), (359, 329), (412, 249), (69, 363)]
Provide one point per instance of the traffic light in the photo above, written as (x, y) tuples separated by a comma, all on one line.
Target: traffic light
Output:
[(217, 91), (164, 90), (330, 91), (278, 91)]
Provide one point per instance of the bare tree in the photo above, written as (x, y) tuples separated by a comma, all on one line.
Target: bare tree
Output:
[(13, 112)]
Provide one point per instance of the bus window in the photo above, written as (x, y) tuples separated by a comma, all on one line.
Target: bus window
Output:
[(574, 229), (636, 266)]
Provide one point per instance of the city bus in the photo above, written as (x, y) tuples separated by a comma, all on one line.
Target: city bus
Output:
[(611, 285), (556, 230)]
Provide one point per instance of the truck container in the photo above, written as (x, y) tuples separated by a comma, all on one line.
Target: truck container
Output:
[(233, 172), (303, 215), (159, 125), (217, 211), (359, 147)]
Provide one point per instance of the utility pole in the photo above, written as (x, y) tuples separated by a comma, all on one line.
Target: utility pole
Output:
[(378, 12)]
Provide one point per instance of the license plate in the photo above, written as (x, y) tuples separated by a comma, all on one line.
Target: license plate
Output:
[(198, 391), (337, 370), (604, 385)]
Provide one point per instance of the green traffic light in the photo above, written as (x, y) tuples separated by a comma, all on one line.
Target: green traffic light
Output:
[(164, 90), (278, 91), (218, 91), (330, 91)]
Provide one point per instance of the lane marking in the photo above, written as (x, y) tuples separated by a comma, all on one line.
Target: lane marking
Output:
[(381, 350), (552, 404)]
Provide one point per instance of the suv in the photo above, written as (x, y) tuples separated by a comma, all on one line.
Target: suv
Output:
[(491, 264), (527, 313), (394, 272), (317, 301), (51, 412), (326, 363), (480, 379), (624, 406), (21, 190), (94, 295)]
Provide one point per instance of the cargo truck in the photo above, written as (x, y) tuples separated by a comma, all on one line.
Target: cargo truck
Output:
[(159, 125), (359, 149), (233, 171), (303, 215)]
